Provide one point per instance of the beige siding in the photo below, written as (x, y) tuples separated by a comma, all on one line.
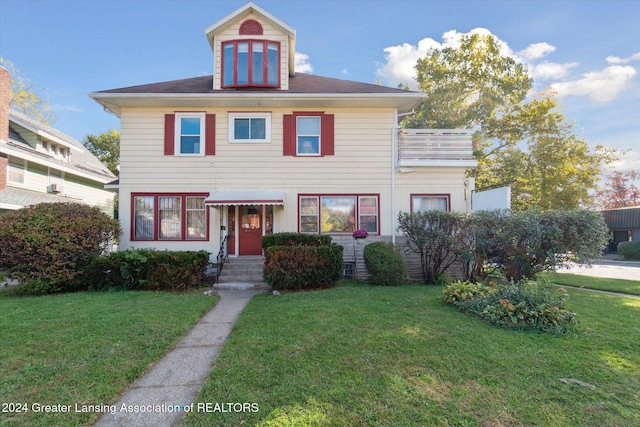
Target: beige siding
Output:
[(362, 164)]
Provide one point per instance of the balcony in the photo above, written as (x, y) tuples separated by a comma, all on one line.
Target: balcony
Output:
[(435, 147)]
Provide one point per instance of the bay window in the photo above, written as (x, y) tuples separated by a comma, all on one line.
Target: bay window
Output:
[(250, 63)]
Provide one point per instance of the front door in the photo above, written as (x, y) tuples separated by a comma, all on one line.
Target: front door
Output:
[(250, 230)]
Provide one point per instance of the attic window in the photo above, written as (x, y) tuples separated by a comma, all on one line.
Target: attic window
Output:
[(250, 63), (250, 27)]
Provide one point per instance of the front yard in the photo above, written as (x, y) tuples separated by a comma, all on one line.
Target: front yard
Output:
[(361, 355), (351, 355), (83, 348)]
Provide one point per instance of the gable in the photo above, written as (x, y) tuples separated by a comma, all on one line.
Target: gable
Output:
[(252, 23)]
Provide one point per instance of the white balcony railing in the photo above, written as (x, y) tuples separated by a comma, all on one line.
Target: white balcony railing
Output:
[(435, 147)]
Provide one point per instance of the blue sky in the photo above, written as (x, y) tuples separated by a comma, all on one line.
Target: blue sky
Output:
[(588, 51)]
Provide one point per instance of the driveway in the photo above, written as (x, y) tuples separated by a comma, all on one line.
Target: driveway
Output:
[(609, 268)]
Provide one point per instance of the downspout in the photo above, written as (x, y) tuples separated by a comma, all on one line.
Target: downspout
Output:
[(394, 160)]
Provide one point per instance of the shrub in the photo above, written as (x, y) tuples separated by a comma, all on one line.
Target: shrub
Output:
[(629, 250), (385, 264), (300, 267), (441, 238), (50, 243), (294, 239), (525, 305), (147, 269)]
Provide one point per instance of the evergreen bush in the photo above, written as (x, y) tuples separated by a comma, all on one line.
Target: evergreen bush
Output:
[(629, 250), (384, 264)]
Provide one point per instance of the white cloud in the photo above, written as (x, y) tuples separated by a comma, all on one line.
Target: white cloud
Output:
[(617, 60), (302, 64), (601, 86), (536, 51), (551, 70)]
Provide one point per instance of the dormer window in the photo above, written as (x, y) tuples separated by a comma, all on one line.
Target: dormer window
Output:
[(247, 63)]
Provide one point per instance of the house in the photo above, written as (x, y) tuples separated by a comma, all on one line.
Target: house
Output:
[(624, 225), (41, 164), (216, 162)]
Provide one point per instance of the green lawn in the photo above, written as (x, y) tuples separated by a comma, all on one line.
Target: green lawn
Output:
[(612, 285), (84, 348), (369, 356)]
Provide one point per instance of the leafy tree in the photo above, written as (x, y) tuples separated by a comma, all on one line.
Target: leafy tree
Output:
[(529, 145), (24, 99), (466, 86), (554, 170), (106, 147), (619, 191)]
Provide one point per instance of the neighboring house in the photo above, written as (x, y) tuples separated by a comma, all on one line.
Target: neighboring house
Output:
[(256, 148), (40, 164), (624, 225)]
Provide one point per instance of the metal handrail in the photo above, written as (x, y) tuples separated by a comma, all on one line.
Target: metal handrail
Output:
[(221, 257)]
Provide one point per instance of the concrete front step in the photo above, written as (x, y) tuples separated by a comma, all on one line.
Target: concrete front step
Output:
[(242, 269)]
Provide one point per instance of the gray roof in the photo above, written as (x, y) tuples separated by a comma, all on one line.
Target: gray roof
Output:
[(82, 161), (623, 218), (22, 197)]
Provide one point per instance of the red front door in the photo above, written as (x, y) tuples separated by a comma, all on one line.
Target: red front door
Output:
[(250, 230)]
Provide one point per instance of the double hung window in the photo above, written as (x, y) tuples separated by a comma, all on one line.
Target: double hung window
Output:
[(427, 202), (189, 138)]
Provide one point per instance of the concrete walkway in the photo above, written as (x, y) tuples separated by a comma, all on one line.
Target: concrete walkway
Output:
[(160, 396)]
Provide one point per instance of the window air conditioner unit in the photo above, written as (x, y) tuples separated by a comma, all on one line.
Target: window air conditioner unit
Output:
[(55, 188)]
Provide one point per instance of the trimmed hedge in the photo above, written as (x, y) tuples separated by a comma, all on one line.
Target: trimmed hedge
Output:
[(629, 250), (384, 264), (45, 246), (295, 239), (297, 261), (301, 267), (147, 269)]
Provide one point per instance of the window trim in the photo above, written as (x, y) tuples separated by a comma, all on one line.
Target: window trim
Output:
[(250, 115), (446, 196), (156, 217), (356, 196), (177, 133), (319, 136), (265, 63)]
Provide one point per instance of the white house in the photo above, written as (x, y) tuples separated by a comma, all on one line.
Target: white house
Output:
[(41, 164), (219, 161)]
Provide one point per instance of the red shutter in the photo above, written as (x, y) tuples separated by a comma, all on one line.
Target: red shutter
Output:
[(288, 136), (328, 135), (210, 135), (169, 134)]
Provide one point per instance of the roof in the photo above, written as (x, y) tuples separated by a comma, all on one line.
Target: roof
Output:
[(305, 91), (16, 198), (623, 218), (82, 161)]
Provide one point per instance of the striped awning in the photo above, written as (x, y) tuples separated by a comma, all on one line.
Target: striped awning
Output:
[(240, 197)]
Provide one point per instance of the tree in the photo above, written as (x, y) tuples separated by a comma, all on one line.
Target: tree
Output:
[(466, 86), (106, 147), (619, 191), (23, 98), (547, 165), (529, 145)]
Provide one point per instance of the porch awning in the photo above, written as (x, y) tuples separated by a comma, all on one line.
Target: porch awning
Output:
[(240, 197)]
